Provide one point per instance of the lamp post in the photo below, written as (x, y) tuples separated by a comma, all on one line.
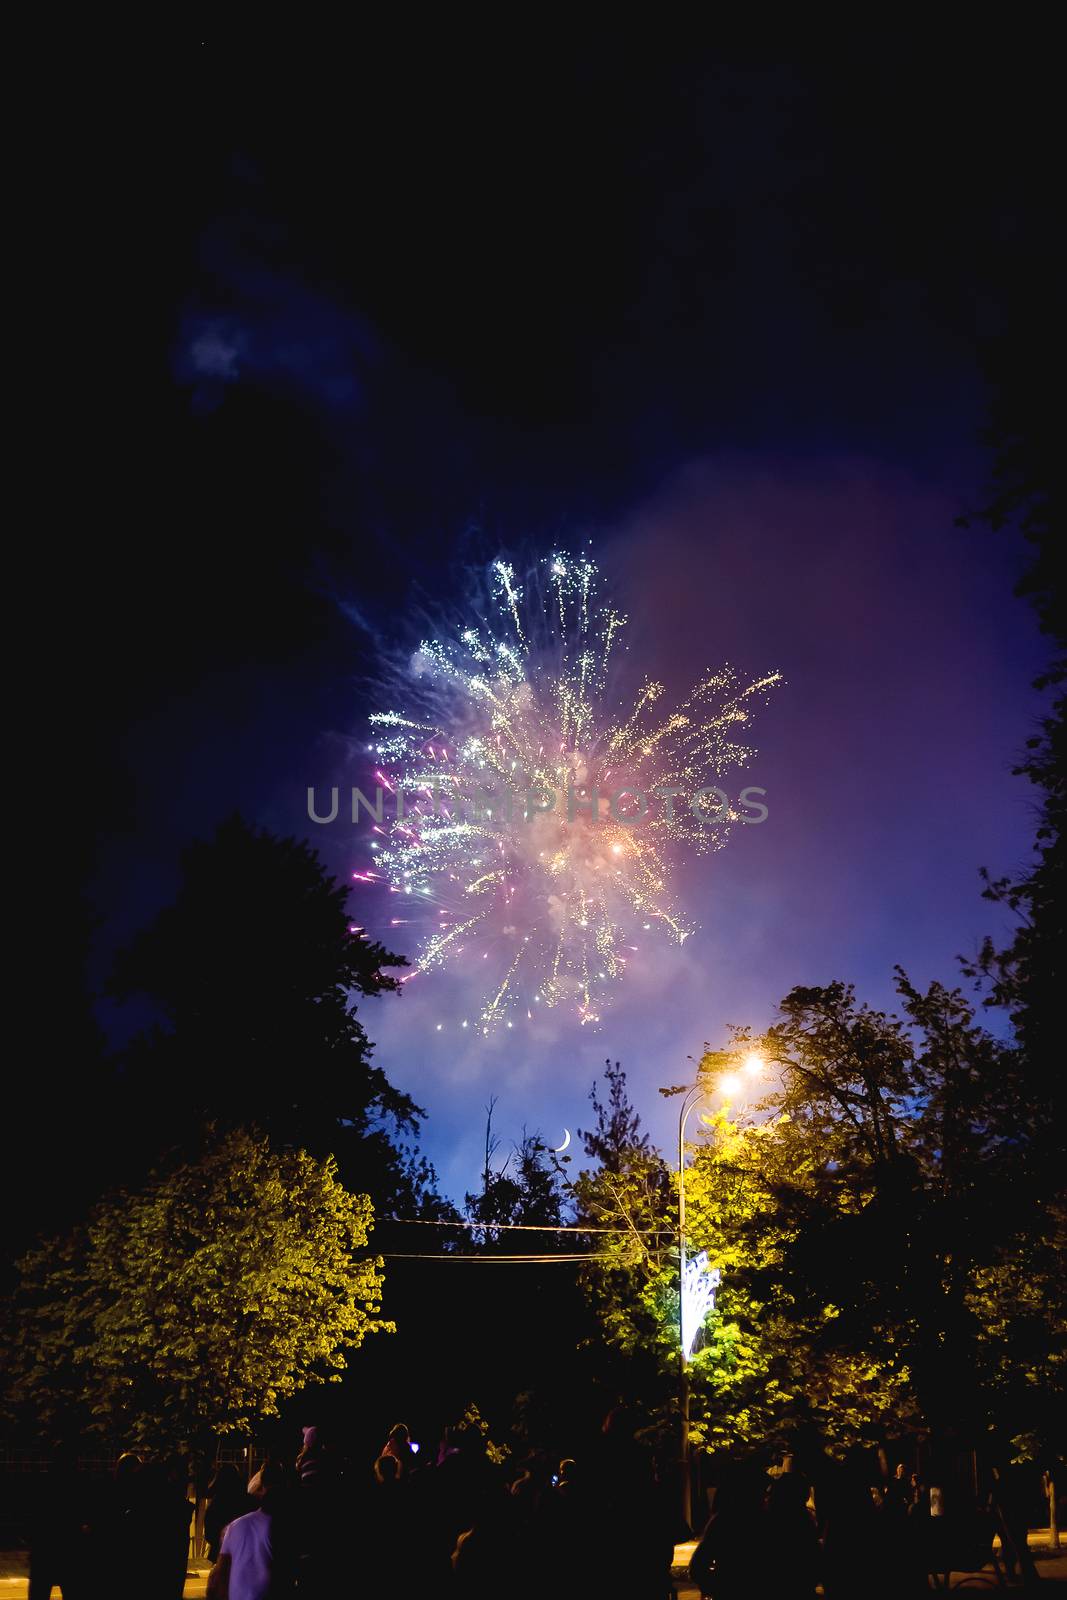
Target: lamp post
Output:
[(693, 1097), (730, 1084)]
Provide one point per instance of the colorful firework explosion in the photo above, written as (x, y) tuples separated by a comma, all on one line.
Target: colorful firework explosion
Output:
[(535, 817)]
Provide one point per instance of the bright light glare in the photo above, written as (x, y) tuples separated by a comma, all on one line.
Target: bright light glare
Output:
[(753, 1063), (730, 1084)]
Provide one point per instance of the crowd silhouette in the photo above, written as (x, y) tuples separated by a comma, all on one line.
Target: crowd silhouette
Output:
[(455, 1521)]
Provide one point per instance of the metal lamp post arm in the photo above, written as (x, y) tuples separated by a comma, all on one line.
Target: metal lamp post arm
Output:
[(697, 1093)]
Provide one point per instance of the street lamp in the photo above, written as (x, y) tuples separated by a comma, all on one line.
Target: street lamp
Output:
[(697, 1282)]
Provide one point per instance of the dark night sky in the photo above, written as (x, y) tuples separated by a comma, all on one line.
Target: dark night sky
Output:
[(335, 332)]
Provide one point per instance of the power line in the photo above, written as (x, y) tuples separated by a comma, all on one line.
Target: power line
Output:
[(526, 1227), (496, 1260)]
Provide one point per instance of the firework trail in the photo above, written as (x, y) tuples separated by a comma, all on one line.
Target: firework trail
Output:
[(536, 815)]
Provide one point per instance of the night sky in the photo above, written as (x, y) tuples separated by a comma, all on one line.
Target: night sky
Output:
[(337, 336)]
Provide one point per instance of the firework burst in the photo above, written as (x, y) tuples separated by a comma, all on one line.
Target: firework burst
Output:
[(538, 812)]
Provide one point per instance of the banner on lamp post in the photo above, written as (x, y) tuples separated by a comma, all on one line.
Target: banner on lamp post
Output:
[(700, 1281)]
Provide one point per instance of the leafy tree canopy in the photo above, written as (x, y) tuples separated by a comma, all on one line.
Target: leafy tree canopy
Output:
[(1025, 496), (873, 1224), (191, 1307), (256, 970)]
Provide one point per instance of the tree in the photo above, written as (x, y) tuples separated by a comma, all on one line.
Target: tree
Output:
[(58, 1098), (755, 1373), (872, 1221), (1025, 495), (629, 1198), (768, 1367), (1019, 1301), (525, 1189), (192, 1306), (885, 1179), (255, 972)]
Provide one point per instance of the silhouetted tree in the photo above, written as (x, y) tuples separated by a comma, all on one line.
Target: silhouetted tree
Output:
[(616, 1138), (524, 1189), (629, 1194), (57, 1100), (1026, 495), (921, 1136), (255, 972)]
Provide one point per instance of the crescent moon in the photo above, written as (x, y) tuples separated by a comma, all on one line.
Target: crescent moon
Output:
[(557, 1149)]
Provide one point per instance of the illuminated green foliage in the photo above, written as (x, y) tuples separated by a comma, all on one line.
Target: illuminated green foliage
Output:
[(195, 1304), (885, 1264)]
